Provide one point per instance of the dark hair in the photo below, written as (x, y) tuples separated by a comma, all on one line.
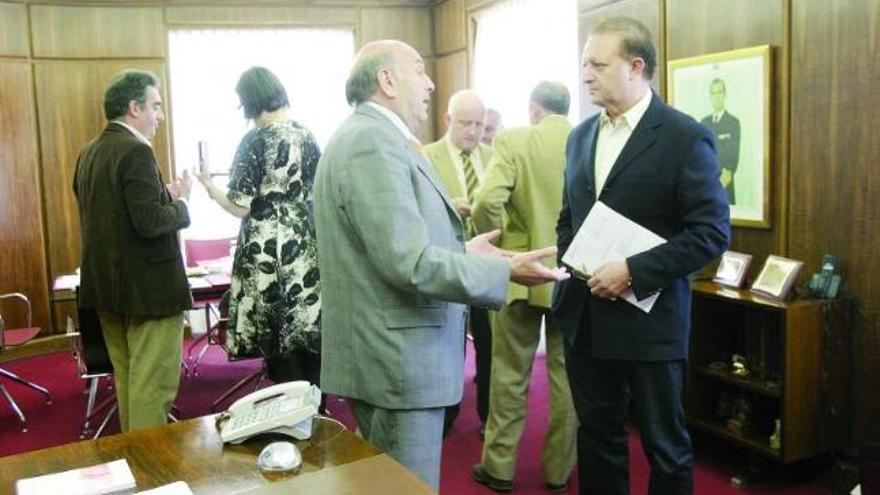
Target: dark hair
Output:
[(552, 96), (126, 86), (260, 91), (635, 41), (720, 81)]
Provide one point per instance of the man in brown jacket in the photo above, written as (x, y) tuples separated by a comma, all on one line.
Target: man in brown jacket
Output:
[(132, 272)]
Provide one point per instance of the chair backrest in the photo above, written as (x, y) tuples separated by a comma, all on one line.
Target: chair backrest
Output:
[(206, 249), (93, 356), (30, 323)]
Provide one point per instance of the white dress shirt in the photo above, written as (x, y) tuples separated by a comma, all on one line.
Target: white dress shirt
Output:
[(395, 119), (613, 137)]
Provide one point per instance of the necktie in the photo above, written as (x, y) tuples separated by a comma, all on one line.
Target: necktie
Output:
[(470, 175)]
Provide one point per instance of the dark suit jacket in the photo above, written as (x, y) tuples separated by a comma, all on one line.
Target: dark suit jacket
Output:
[(131, 261), (665, 179), (727, 137)]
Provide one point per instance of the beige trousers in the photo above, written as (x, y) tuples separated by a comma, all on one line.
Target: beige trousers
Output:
[(145, 353), (516, 332)]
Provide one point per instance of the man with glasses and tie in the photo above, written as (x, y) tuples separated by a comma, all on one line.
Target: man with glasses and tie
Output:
[(460, 160)]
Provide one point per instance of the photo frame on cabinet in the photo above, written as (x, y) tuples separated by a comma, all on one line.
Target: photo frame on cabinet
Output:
[(777, 277), (733, 268), (729, 92)]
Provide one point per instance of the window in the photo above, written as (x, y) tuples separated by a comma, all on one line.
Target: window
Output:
[(204, 67), (520, 43)]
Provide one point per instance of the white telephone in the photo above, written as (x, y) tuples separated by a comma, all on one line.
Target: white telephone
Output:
[(286, 408)]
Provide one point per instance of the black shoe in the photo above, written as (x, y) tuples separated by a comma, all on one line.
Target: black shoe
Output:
[(480, 475), (554, 488)]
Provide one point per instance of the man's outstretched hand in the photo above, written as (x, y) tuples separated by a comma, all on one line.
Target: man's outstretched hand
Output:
[(527, 269)]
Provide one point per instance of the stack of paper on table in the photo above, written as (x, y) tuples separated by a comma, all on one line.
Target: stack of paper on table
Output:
[(110, 477), (607, 236)]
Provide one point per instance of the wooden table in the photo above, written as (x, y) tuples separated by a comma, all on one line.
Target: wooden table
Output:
[(191, 451)]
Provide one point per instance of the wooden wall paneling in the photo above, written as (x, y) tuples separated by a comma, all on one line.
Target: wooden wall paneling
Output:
[(96, 32), (410, 25), (70, 108), (451, 77), (22, 255), (248, 15), (449, 27), (14, 35), (645, 11), (695, 27), (429, 129), (834, 181)]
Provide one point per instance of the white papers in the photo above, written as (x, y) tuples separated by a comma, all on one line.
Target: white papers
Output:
[(607, 236), (66, 282), (176, 488), (110, 477)]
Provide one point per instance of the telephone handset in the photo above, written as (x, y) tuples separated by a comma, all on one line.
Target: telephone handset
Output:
[(826, 283), (286, 408)]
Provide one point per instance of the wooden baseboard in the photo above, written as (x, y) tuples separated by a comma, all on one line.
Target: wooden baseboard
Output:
[(36, 347)]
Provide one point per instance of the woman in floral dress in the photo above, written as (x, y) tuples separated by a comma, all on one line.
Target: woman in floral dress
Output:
[(275, 303)]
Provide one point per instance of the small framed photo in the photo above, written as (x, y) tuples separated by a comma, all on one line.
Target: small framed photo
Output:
[(733, 268), (777, 277)]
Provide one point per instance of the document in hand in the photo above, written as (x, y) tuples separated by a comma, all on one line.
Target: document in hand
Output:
[(607, 236)]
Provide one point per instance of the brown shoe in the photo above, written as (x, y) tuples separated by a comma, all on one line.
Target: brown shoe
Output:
[(480, 475)]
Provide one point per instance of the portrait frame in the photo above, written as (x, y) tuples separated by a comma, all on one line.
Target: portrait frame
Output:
[(777, 277), (732, 269), (745, 77)]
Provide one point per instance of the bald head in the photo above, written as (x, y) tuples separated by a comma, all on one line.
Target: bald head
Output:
[(465, 117), (392, 74)]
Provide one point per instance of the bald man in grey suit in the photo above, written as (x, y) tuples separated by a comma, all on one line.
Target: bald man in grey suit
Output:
[(396, 273)]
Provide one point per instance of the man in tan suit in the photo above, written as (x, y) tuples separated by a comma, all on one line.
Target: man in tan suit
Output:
[(460, 160), (522, 195)]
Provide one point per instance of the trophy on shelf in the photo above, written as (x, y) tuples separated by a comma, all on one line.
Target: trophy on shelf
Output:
[(741, 420), (739, 366)]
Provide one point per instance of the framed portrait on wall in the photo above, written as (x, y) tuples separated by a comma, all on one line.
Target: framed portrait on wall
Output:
[(729, 92), (777, 277)]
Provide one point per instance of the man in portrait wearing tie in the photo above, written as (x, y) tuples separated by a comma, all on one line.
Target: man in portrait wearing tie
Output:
[(726, 129), (460, 160)]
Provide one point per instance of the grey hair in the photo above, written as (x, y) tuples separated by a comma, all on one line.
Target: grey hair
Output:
[(362, 82), (552, 96)]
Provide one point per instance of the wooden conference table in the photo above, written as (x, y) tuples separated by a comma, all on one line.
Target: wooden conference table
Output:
[(335, 461)]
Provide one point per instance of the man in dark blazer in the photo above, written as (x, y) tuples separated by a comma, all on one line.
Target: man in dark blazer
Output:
[(657, 167), (726, 129), (132, 272)]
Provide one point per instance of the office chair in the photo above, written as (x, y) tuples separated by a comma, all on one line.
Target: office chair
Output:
[(93, 363), (206, 249), (16, 337), (200, 250), (218, 314)]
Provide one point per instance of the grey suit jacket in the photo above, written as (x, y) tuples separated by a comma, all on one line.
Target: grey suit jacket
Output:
[(395, 279)]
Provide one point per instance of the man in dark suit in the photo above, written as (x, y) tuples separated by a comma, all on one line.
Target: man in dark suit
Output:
[(726, 129), (132, 272), (657, 167)]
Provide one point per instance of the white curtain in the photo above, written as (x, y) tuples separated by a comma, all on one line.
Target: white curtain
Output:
[(204, 67), (520, 43)]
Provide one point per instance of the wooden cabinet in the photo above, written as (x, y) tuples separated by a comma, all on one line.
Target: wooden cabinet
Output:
[(798, 357)]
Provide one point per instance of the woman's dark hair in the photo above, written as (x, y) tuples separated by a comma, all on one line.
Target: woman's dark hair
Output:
[(260, 91)]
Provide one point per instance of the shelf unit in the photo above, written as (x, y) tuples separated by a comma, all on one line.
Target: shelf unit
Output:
[(799, 361)]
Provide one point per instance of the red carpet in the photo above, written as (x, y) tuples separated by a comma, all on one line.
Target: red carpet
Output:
[(59, 423)]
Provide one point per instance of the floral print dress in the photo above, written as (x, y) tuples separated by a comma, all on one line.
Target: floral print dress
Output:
[(275, 303)]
